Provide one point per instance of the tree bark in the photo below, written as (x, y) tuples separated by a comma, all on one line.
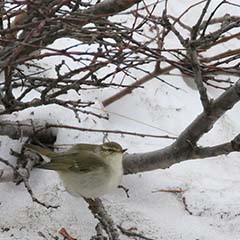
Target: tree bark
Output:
[(184, 148)]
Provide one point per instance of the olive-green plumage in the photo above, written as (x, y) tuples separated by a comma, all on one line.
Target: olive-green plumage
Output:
[(88, 170), (75, 159)]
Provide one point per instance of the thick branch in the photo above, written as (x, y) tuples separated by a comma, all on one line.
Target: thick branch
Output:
[(221, 149), (183, 148), (28, 128)]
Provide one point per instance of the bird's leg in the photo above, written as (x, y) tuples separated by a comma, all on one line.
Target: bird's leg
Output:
[(126, 190), (65, 234)]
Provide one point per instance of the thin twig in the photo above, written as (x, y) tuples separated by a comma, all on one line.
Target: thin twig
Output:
[(140, 82), (23, 175), (131, 233), (196, 27), (108, 131), (198, 78)]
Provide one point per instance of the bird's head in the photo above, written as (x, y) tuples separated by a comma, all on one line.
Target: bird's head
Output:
[(110, 148)]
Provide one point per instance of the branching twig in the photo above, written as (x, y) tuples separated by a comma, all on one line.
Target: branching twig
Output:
[(21, 175), (196, 27), (104, 218), (34, 199)]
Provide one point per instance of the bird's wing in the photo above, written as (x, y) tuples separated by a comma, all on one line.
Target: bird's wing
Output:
[(76, 162), (81, 147)]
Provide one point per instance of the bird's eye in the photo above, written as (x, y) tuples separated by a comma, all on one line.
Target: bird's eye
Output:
[(110, 150)]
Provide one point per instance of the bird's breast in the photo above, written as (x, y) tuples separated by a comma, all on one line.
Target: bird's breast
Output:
[(94, 183)]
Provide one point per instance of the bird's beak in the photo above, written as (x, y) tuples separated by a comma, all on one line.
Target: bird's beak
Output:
[(124, 150)]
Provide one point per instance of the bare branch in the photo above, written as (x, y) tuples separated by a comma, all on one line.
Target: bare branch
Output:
[(197, 26), (183, 148), (140, 82), (123, 53), (100, 213), (28, 128), (198, 78), (46, 132), (110, 7), (222, 149), (21, 173)]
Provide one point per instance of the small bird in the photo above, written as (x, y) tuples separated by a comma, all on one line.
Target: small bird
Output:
[(86, 170)]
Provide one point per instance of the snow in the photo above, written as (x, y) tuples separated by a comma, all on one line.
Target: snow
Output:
[(209, 206)]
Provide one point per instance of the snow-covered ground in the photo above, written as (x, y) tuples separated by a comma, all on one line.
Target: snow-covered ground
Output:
[(207, 208)]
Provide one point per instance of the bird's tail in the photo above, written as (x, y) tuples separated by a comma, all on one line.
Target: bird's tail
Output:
[(43, 152)]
